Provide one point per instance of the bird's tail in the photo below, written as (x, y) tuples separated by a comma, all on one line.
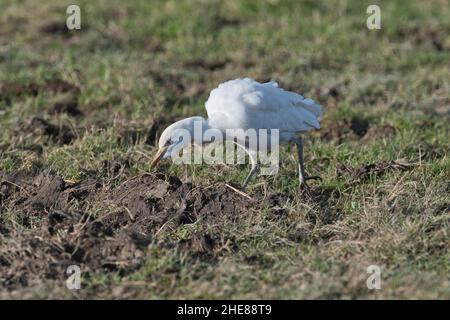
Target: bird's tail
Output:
[(306, 103), (313, 107)]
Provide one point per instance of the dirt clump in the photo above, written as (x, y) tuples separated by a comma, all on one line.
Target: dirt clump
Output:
[(170, 202)]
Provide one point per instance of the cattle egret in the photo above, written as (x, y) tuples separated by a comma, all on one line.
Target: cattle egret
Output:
[(247, 104)]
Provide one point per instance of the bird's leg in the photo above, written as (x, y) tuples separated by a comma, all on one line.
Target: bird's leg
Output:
[(301, 165), (254, 169)]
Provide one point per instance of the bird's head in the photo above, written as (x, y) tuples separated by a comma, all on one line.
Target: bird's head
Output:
[(178, 135)]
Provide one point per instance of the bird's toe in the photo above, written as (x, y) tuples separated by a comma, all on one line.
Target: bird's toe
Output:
[(314, 178)]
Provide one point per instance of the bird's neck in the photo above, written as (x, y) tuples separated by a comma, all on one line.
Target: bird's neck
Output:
[(196, 126)]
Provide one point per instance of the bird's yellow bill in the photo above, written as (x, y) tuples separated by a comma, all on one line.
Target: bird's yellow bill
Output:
[(158, 157)]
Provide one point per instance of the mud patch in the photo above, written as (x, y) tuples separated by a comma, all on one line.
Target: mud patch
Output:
[(167, 201), (58, 228), (35, 193), (33, 256)]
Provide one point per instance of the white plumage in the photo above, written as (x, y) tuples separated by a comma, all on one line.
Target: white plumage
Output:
[(247, 104)]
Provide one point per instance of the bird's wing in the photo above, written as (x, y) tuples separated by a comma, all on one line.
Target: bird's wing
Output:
[(245, 103)]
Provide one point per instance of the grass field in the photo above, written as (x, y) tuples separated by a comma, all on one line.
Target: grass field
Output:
[(81, 112)]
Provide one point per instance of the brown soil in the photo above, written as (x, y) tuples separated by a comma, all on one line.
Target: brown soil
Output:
[(58, 227)]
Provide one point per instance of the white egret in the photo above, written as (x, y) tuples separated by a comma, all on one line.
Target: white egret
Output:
[(247, 104)]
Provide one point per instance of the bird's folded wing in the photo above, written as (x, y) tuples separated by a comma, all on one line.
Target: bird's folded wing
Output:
[(249, 104)]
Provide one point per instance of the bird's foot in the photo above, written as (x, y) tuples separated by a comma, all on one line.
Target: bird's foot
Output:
[(313, 178), (305, 189)]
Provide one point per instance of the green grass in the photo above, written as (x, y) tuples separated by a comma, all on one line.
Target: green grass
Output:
[(131, 63)]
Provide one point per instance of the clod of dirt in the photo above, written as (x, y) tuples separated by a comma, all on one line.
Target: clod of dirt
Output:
[(60, 134), (364, 172), (67, 107), (32, 192), (48, 189)]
